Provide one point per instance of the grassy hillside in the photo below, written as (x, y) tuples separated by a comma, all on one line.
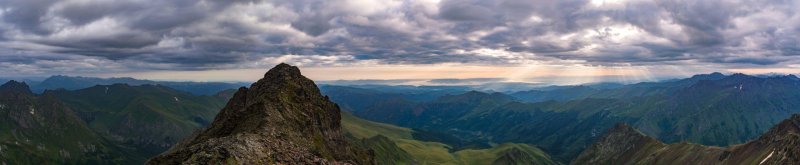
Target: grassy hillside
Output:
[(424, 152), (147, 118), (42, 130)]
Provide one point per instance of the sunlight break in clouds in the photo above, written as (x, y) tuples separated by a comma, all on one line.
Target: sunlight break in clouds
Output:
[(643, 39)]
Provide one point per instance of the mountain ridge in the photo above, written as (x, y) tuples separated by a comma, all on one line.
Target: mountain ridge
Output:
[(281, 118), (625, 145)]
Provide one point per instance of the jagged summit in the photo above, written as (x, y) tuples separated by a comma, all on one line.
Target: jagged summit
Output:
[(280, 119), (283, 69), (15, 87), (714, 75)]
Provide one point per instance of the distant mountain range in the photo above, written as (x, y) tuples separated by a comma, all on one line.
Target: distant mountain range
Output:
[(286, 118), (43, 130), (104, 124), (711, 109), (77, 82)]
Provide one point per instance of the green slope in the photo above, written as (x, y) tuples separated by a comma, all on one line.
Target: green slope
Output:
[(148, 118), (42, 130), (424, 152)]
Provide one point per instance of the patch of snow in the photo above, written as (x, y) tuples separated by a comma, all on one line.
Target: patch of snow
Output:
[(176, 99), (768, 156), (2, 106), (33, 111), (106, 90)]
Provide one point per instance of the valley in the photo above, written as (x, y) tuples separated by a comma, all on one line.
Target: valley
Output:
[(128, 124)]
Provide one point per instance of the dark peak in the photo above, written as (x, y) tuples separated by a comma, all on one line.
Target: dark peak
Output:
[(15, 87), (283, 69), (284, 77), (792, 77), (115, 85), (14, 83), (711, 76), (739, 75)]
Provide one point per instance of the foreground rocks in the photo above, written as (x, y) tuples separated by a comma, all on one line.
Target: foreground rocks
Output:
[(281, 119)]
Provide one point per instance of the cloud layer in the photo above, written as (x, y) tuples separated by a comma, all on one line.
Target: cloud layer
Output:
[(88, 36)]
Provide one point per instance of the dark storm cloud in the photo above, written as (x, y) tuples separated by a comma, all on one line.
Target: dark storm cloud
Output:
[(196, 35)]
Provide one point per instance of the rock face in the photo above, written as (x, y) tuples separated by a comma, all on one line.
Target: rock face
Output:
[(624, 145), (281, 119)]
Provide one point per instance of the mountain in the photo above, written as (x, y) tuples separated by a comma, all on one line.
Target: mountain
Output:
[(281, 119), (612, 90), (624, 145), (148, 118), (706, 109), (43, 130), (75, 83)]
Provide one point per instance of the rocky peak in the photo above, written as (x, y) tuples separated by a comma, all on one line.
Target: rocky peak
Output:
[(280, 119), (283, 70), (717, 74), (711, 76), (15, 87)]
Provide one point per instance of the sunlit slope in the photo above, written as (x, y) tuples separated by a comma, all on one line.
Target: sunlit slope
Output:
[(424, 152)]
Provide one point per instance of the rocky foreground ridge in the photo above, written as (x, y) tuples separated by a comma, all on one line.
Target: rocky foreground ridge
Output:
[(280, 119)]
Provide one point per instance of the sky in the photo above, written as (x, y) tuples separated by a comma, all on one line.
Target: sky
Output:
[(513, 40)]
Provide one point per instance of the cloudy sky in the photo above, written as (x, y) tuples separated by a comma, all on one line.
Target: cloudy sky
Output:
[(517, 40)]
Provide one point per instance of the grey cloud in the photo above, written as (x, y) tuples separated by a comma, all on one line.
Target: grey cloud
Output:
[(195, 35), (458, 10)]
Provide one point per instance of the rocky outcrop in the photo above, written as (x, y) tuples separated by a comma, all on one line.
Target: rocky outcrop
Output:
[(624, 145), (281, 119)]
